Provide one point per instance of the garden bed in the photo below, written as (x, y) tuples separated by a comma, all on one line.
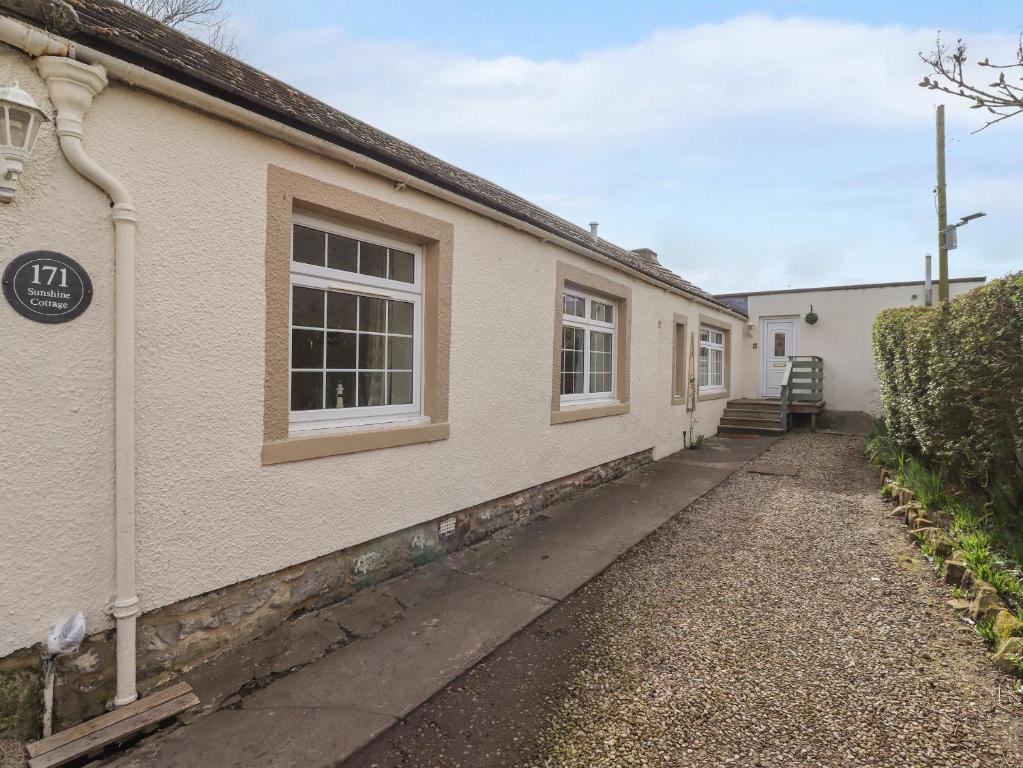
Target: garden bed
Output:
[(978, 555)]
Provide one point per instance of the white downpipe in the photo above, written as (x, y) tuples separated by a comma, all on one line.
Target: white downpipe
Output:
[(72, 86), (166, 88)]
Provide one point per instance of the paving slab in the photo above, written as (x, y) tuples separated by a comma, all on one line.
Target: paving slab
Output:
[(267, 738), (399, 668), (416, 633)]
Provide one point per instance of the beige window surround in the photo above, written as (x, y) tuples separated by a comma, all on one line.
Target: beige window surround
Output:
[(287, 192), (722, 326), (679, 352), (590, 282)]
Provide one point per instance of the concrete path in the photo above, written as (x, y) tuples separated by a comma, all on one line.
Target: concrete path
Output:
[(420, 632), (781, 621)]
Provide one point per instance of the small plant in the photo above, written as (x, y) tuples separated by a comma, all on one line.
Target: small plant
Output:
[(986, 629), (697, 443), (886, 491), (960, 593), (926, 485)]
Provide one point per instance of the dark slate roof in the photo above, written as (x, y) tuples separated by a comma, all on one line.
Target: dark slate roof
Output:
[(115, 29)]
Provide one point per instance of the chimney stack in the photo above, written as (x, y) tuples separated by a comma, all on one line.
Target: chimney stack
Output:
[(647, 255), (593, 230)]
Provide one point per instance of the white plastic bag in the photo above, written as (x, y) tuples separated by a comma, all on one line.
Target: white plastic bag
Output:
[(66, 636)]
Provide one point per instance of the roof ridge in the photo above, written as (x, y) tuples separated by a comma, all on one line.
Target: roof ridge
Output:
[(117, 29)]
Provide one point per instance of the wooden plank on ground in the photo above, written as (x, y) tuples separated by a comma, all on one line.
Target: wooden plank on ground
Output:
[(152, 710)]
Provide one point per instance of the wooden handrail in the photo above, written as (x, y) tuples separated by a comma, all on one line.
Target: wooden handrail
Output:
[(803, 380)]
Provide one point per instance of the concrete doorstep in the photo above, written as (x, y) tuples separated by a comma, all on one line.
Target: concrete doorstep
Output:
[(417, 633)]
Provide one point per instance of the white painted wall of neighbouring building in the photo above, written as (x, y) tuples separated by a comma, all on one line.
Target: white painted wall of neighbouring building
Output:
[(209, 513), (841, 336)]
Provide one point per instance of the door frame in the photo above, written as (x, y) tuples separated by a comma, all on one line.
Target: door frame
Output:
[(762, 361)]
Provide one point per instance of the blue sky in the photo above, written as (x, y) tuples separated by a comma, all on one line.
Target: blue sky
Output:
[(754, 145)]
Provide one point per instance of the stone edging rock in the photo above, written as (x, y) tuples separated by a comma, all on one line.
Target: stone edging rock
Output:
[(986, 604)]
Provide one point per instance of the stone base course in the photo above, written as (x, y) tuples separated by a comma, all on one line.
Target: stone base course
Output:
[(278, 621)]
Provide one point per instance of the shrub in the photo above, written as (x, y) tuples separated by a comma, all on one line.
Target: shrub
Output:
[(951, 385)]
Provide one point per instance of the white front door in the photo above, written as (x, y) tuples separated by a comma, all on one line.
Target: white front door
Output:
[(777, 344)]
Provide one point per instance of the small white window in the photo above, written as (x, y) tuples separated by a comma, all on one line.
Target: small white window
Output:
[(712, 360), (589, 333), (356, 327)]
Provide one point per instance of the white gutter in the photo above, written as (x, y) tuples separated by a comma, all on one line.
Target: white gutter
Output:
[(190, 97), (72, 86)]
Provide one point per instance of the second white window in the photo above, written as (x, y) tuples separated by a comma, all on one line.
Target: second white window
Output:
[(589, 335), (712, 360)]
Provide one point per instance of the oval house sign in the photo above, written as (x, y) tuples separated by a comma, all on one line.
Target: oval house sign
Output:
[(47, 287)]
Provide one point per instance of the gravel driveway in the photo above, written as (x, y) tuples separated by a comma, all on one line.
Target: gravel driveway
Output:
[(779, 621)]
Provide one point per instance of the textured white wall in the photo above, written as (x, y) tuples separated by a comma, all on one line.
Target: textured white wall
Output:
[(208, 513), (841, 337)]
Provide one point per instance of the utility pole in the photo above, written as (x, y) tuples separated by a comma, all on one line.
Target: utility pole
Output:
[(942, 206)]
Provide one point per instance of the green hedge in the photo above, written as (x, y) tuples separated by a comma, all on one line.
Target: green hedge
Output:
[(951, 384)]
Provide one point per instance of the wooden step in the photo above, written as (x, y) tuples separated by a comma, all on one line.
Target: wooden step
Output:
[(121, 724), (724, 429), (751, 423), (751, 413), (759, 405)]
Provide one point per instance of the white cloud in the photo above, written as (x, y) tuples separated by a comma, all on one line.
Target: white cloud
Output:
[(792, 151), (680, 81)]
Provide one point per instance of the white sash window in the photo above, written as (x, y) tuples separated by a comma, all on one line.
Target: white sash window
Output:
[(712, 360), (589, 336), (356, 327)]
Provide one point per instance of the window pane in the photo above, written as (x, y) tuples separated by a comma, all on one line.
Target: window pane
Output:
[(308, 245), (704, 334), (401, 317), (600, 382), (306, 391), (341, 310), (400, 388), (399, 353), (371, 351), (600, 341), (371, 389), (779, 344), (402, 266), (372, 314), (343, 397), (605, 313), (572, 382), (372, 260), (306, 306), (575, 306), (306, 349), (340, 351), (342, 253)]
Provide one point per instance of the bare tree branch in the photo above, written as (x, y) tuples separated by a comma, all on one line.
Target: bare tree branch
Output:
[(1000, 98), (206, 20)]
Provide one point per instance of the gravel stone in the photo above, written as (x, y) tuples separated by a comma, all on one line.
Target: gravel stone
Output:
[(778, 621)]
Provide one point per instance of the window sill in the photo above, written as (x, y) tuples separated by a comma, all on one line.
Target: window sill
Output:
[(678, 400), (302, 447), (719, 394), (588, 411)]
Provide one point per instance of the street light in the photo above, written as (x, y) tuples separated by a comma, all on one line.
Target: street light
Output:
[(951, 239), (20, 119)]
